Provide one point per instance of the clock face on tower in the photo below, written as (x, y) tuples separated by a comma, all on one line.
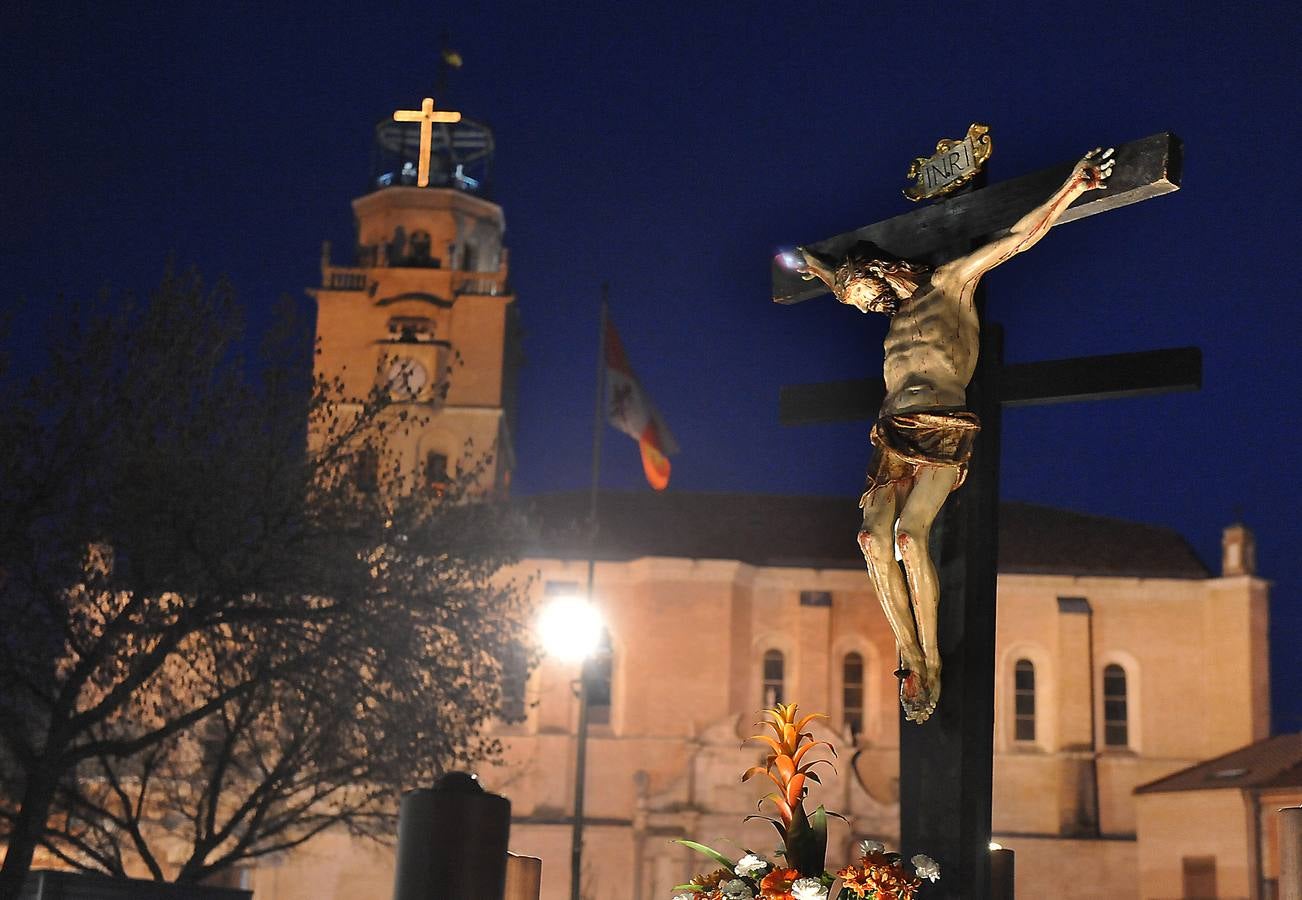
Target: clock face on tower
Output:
[(406, 378)]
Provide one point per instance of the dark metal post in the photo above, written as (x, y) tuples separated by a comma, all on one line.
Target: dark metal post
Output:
[(580, 778), (452, 841), (1002, 866)]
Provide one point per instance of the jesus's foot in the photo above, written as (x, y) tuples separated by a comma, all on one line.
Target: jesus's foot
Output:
[(916, 695), (932, 698)]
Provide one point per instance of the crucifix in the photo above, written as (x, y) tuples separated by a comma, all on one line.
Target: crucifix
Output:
[(426, 116), (938, 428)]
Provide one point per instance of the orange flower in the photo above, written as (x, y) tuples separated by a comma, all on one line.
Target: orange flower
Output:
[(878, 878), (895, 884), (709, 884), (777, 884), (852, 879)]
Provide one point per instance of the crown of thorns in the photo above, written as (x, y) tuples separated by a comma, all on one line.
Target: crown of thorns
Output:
[(866, 258)]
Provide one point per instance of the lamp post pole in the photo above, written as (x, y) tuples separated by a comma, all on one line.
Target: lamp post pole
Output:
[(580, 779)]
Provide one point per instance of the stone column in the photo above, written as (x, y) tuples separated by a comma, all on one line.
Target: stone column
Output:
[(1078, 814), (1290, 853)]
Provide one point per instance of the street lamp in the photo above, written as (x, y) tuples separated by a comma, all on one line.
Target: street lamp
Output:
[(571, 629)]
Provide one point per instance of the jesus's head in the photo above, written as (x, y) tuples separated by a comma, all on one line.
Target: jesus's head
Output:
[(869, 278), (873, 280)]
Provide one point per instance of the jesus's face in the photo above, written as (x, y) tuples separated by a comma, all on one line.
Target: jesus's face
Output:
[(874, 285), (870, 293)]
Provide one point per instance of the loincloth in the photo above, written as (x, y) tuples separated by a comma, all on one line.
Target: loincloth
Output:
[(906, 442)]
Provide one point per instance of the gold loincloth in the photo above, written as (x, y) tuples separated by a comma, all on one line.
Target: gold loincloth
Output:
[(909, 441)]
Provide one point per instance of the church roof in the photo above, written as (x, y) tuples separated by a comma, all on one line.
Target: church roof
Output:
[(1047, 541), (818, 532), (1274, 762)]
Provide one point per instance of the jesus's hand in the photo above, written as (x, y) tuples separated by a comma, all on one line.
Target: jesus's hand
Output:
[(1093, 169)]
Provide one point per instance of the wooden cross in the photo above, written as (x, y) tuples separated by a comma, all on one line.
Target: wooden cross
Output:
[(946, 763), (426, 116)]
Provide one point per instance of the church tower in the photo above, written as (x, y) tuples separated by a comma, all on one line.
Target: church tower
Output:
[(425, 311)]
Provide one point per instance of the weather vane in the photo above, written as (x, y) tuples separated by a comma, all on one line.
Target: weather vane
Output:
[(426, 116)]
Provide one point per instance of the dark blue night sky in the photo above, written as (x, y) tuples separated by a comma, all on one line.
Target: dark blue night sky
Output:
[(671, 151)]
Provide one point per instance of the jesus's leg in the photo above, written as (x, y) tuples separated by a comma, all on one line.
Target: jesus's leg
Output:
[(931, 485), (877, 541)]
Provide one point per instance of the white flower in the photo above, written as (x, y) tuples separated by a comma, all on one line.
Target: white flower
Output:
[(684, 896), (866, 847), (926, 867), (737, 890), (750, 865), (808, 889)]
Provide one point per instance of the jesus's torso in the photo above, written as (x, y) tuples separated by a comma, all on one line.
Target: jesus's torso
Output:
[(931, 347)]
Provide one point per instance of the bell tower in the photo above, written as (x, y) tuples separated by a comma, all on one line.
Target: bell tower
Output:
[(425, 310)]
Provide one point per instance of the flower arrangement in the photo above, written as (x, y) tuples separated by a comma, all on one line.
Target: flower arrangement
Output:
[(876, 875)]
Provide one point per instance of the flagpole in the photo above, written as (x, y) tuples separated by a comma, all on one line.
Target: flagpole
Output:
[(581, 749), (599, 408)]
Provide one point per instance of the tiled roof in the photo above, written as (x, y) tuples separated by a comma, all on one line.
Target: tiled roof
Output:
[(818, 532), (1274, 762)]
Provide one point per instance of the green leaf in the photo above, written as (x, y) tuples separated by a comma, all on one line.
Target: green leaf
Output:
[(807, 842), (694, 888), (799, 849), (818, 845), (782, 834), (713, 854)]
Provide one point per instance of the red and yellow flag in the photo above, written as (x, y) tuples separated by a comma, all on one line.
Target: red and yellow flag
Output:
[(630, 410)]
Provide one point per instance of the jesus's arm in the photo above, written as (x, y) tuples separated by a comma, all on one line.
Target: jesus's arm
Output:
[(1090, 173)]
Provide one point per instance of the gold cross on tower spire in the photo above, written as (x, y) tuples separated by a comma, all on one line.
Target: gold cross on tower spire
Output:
[(426, 116)]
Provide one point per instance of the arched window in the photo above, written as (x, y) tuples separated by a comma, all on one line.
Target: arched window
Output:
[(852, 693), (1024, 700), (366, 470), (436, 472), (396, 249), (411, 329), (774, 671), (1116, 724), (515, 679)]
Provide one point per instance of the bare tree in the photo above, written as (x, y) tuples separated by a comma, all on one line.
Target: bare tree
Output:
[(223, 643)]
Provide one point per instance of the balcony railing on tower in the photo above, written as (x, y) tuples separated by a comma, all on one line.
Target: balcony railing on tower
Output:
[(459, 281), (461, 156)]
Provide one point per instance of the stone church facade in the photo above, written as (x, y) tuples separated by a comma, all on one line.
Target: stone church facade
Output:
[(1120, 659)]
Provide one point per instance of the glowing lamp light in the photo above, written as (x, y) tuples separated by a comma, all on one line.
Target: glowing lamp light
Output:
[(791, 260), (996, 846), (570, 628)]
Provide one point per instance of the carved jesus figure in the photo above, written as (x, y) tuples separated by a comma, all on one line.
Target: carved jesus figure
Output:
[(923, 436)]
